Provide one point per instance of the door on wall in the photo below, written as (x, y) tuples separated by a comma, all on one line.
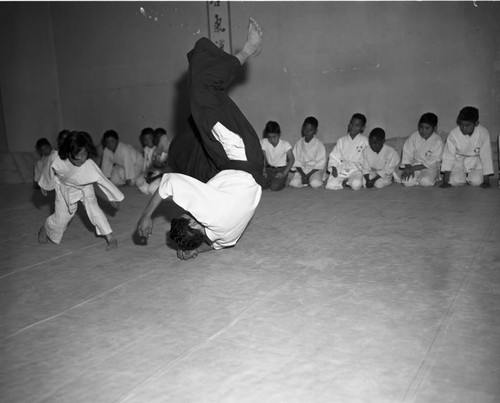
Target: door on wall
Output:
[(4, 147)]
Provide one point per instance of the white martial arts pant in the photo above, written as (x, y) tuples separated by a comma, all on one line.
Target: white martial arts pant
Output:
[(424, 177), (315, 180), (56, 224), (354, 181), (458, 176)]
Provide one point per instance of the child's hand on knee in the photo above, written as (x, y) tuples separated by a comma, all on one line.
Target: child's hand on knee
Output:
[(115, 205)]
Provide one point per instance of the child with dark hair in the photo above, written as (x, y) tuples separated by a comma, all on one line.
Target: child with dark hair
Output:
[(121, 162), (345, 158), (72, 175), (310, 157), (467, 156), (47, 154), (153, 170), (162, 144), (422, 153), (278, 157), (62, 136), (219, 210), (379, 161)]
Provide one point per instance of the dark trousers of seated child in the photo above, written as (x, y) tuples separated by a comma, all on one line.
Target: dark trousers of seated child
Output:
[(271, 181)]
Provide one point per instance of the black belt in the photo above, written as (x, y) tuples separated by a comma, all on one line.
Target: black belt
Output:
[(270, 166)]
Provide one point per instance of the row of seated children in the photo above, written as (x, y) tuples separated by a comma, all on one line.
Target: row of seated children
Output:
[(358, 161)]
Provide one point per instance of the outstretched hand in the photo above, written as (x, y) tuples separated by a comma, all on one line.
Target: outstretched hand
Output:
[(145, 227)]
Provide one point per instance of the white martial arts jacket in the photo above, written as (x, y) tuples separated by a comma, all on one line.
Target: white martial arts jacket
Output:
[(383, 164), (309, 156), (224, 205), (42, 166), (346, 155), (473, 151), (71, 181), (125, 156), (417, 150)]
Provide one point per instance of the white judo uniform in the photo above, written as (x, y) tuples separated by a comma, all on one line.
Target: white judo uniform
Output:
[(140, 182), (468, 158), (417, 151), (161, 151), (383, 164), (126, 163), (224, 205), (346, 158), (42, 166), (309, 156), (73, 184)]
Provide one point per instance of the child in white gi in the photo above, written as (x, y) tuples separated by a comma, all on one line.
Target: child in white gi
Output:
[(73, 175), (345, 158), (278, 157), (310, 157), (150, 180), (422, 154), (162, 143), (467, 154), (379, 161), (121, 162), (47, 155)]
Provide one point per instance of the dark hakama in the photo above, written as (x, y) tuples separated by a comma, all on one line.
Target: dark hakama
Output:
[(198, 153)]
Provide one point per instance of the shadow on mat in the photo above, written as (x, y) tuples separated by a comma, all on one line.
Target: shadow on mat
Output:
[(40, 201)]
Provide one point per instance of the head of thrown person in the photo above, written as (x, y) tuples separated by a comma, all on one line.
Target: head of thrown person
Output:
[(186, 232)]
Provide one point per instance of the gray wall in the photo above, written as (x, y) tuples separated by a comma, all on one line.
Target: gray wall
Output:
[(99, 65)]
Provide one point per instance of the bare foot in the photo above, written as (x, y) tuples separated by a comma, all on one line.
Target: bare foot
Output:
[(112, 242), (253, 44), (254, 38), (42, 235)]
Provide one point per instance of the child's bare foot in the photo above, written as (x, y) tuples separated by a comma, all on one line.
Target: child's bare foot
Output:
[(253, 44), (112, 242), (42, 235)]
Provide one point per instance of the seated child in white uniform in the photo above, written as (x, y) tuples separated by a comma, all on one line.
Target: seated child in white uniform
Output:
[(47, 155), (150, 180), (422, 154), (310, 157), (162, 143), (379, 161), (467, 156), (217, 212), (121, 162), (278, 157), (345, 158), (72, 175)]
